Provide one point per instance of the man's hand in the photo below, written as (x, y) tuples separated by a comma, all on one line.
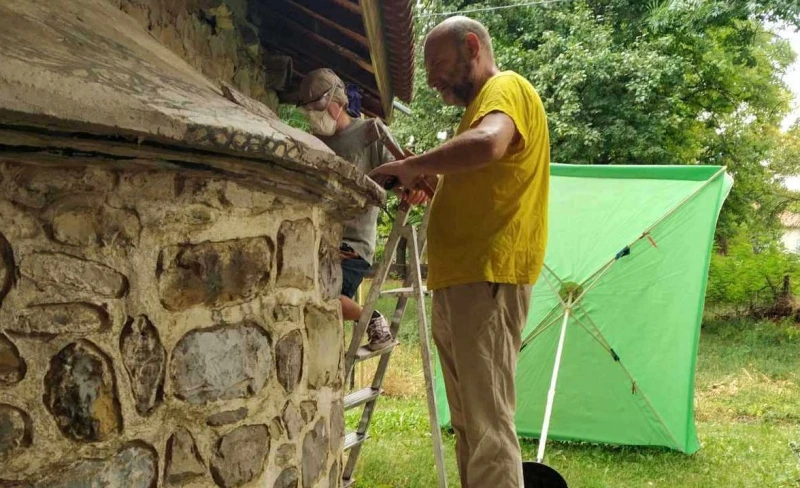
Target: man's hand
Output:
[(406, 170), (413, 197), (348, 254)]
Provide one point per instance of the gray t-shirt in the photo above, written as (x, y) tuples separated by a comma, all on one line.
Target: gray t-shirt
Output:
[(359, 233)]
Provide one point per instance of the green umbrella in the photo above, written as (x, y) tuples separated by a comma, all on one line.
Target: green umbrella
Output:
[(627, 256)]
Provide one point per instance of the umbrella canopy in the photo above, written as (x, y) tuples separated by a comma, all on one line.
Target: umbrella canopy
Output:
[(628, 254)]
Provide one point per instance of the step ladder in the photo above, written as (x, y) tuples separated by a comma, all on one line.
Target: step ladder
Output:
[(356, 353)]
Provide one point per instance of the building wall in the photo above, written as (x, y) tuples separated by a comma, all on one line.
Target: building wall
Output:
[(791, 240), (165, 328), (214, 37)]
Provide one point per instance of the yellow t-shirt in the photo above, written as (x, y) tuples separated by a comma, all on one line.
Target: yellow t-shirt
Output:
[(491, 224)]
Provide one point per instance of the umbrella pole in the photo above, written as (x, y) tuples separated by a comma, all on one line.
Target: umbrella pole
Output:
[(551, 393)]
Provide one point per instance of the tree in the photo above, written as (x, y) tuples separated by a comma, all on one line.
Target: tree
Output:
[(631, 82)]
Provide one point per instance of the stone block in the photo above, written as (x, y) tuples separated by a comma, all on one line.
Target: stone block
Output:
[(287, 479), (221, 363), (61, 318), (191, 216), (15, 430), (228, 417), (337, 425), (325, 345), (330, 263), (287, 313), (315, 454), (308, 409), (6, 268), (73, 274), (214, 274), (182, 458), (292, 419), (276, 428), (145, 360), (16, 223), (239, 455), (285, 454), (334, 477), (289, 360), (296, 254), (80, 393), (12, 365), (133, 466), (84, 225)]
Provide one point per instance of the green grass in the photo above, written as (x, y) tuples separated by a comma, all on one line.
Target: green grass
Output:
[(747, 401)]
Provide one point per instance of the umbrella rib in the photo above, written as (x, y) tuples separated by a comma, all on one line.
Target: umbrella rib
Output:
[(539, 330), (629, 375), (605, 343), (546, 318), (555, 291), (674, 209)]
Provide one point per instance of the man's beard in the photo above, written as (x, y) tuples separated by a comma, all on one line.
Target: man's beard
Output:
[(463, 89)]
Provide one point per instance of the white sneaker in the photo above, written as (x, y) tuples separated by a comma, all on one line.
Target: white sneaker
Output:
[(378, 333)]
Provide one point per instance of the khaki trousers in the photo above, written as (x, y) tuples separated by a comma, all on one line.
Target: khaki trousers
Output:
[(477, 329)]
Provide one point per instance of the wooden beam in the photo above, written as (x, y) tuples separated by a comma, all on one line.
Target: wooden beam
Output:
[(341, 51), (373, 24), (370, 92), (333, 25), (300, 53), (372, 98), (347, 4)]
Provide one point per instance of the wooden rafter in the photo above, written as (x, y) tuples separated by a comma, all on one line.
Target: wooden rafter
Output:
[(346, 4), (309, 34), (372, 103), (333, 25), (374, 27), (298, 51)]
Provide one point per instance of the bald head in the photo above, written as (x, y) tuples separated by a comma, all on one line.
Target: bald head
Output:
[(458, 59), (455, 30)]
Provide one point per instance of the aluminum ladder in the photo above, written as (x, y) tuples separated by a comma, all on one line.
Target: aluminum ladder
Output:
[(356, 353)]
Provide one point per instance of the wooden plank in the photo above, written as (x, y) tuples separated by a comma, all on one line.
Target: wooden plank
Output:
[(318, 39), (348, 5), (370, 90), (373, 25), (328, 22), (371, 102)]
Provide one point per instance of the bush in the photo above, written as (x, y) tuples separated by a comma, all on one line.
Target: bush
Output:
[(750, 277)]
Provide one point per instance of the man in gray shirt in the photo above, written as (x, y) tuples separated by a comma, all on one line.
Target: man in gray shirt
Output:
[(323, 100)]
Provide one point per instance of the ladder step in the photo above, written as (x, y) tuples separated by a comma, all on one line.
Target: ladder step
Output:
[(363, 353), (403, 292), (360, 397), (353, 439)]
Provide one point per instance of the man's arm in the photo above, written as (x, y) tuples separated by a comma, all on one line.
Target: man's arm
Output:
[(486, 142)]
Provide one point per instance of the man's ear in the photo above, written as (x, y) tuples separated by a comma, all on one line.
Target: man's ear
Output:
[(473, 44)]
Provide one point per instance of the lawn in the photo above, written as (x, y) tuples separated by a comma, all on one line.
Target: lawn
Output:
[(747, 401)]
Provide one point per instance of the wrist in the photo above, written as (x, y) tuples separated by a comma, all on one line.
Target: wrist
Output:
[(414, 166)]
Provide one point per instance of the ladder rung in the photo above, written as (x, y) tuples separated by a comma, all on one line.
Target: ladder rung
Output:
[(403, 292), (360, 397), (353, 439), (364, 353)]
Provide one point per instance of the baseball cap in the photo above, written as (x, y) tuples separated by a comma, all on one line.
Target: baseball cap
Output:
[(321, 85)]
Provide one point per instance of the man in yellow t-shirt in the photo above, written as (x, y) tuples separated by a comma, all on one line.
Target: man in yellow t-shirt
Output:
[(486, 237)]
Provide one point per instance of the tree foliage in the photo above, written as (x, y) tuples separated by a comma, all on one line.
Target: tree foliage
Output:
[(633, 82)]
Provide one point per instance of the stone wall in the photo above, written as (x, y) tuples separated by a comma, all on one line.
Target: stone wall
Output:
[(164, 328), (215, 38)]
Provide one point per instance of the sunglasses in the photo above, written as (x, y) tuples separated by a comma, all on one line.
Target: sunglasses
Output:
[(319, 104)]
